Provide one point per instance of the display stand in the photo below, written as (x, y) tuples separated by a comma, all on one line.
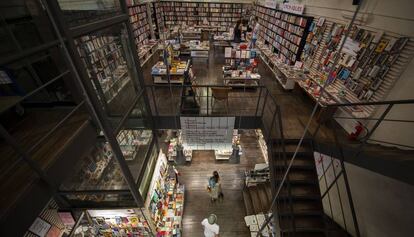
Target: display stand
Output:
[(147, 51), (285, 74), (165, 199), (262, 144), (118, 222), (225, 154), (177, 72), (172, 149), (240, 78), (195, 49), (254, 222)]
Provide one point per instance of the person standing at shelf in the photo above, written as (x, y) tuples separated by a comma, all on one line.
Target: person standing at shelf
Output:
[(237, 32), (255, 31), (211, 229)]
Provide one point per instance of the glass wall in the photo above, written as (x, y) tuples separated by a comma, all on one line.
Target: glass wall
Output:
[(79, 12), (109, 65)]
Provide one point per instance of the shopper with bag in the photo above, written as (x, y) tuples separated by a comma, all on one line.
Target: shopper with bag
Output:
[(211, 229), (214, 187)]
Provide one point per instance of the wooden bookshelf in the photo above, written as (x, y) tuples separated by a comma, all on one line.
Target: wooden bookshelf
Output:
[(285, 32), (195, 13), (139, 21)]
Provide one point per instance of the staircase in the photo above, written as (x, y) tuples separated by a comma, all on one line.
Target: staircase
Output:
[(257, 198), (299, 205)]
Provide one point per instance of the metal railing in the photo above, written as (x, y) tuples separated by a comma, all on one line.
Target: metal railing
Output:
[(338, 146), (207, 100)]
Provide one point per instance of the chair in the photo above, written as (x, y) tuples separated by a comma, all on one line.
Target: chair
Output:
[(220, 94), (205, 35)]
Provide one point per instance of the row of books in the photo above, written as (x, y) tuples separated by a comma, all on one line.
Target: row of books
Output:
[(267, 13), (283, 31), (139, 22), (102, 56), (205, 5)]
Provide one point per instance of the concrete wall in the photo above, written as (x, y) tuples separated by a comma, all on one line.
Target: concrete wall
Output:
[(383, 205)]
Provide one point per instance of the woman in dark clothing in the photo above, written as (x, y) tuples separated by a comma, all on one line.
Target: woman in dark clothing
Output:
[(237, 32)]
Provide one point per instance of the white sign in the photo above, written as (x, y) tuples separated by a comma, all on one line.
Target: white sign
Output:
[(293, 8), (111, 213), (207, 133), (40, 227), (270, 4)]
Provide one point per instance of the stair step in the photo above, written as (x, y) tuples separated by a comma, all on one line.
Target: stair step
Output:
[(268, 190), (302, 222), (301, 191), (305, 141), (298, 163), (304, 232), (314, 214), (298, 176), (292, 148), (254, 194), (301, 206), (263, 197), (248, 203)]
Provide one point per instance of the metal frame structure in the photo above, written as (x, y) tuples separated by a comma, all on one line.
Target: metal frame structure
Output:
[(266, 114)]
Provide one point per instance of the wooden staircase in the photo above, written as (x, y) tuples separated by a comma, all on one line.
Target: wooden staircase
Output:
[(299, 206), (257, 198)]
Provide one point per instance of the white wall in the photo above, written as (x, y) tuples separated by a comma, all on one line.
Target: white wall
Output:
[(383, 206)]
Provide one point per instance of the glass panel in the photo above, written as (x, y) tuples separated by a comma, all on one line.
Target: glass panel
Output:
[(99, 200), (149, 170), (20, 20), (112, 222), (7, 47), (107, 57), (134, 145), (97, 171), (17, 177), (78, 12)]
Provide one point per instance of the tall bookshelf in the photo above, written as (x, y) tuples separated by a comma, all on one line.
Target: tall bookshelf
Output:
[(102, 53), (195, 13), (284, 32), (159, 18), (139, 22)]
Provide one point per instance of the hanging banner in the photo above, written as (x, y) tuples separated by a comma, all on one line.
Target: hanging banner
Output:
[(293, 8), (207, 133)]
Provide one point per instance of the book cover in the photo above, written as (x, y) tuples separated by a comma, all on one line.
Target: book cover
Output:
[(381, 46)]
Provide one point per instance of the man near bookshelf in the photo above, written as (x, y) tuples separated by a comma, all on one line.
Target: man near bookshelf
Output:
[(211, 229)]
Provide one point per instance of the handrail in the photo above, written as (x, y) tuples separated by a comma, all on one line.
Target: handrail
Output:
[(288, 168), (385, 102)]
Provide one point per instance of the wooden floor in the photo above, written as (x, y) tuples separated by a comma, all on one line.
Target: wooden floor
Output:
[(231, 211)]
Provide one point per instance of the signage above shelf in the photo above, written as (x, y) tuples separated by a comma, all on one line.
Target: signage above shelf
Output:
[(293, 8)]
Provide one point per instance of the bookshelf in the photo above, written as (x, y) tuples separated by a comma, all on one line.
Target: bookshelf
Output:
[(367, 73), (195, 13), (285, 32), (139, 21), (103, 56), (131, 140)]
